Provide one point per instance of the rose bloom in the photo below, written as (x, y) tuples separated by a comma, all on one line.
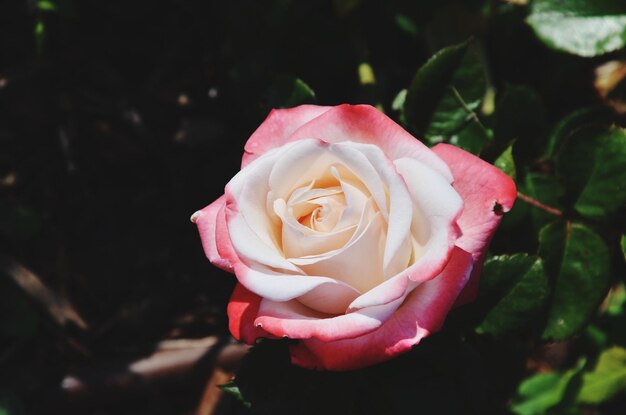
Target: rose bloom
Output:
[(350, 235)]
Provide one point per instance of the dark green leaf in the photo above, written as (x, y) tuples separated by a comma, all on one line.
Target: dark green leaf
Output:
[(542, 392), (623, 245), (472, 137), (431, 83), (520, 117), (547, 190), (592, 164), (607, 380), (443, 99), (232, 389), (288, 92), (581, 27), (405, 23), (506, 163), (578, 260), (520, 286), (571, 122)]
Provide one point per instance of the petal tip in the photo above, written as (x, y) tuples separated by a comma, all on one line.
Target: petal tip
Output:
[(194, 218)]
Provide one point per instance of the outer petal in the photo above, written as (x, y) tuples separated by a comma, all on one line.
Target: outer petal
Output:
[(242, 310), (277, 128), (482, 187), (206, 220), (281, 287), (292, 319), (365, 124), (438, 207), (422, 313)]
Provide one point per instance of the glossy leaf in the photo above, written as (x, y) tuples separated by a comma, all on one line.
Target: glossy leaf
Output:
[(578, 260), (445, 93), (573, 121), (592, 164), (547, 190), (520, 286), (607, 380), (581, 27)]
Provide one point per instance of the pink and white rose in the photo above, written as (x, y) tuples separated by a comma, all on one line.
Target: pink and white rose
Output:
[(350, 235)]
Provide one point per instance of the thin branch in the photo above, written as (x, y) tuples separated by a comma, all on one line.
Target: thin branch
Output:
[(534, 202)]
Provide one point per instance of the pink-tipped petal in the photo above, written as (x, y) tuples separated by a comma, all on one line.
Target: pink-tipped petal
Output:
[(242, 311), (206, 220), (487, 193), (365, 124), (422, 313), (276, 129), (294, 320)]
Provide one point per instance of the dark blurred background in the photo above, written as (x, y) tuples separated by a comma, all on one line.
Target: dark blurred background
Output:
[(119, 119)]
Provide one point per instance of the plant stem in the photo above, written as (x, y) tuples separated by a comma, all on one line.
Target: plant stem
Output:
[(534, 202)]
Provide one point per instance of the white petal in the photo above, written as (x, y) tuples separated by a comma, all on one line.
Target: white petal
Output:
[(358, 264)]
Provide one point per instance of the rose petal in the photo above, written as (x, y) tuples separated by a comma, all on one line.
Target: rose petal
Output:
[(357, 264), (242, 311), (279, 286), (365, 124), (276, 129), (294, 320), (397, 246), (438, 207), (299, 240), (481, 186), (206, 220), (422, 313)]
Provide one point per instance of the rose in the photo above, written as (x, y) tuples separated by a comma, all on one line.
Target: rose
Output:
[(348, 234)]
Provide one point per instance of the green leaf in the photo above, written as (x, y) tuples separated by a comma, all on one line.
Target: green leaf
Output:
[(520, 286), (288, 92), (46, 5), (592, 164), (548, 191), (405, 23), (444, 95), (581, 27), (506, 163), (616, 300), (520, 117), (578, 261), (571, 122), (398, 101), (40, 33), (232, 389), (608, 378), (623, 245), (430, 83), (542, 392)]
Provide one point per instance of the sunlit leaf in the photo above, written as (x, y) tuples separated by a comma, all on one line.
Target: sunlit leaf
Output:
[(506, 163), (542, 392), (581, 27), (608, 378)]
